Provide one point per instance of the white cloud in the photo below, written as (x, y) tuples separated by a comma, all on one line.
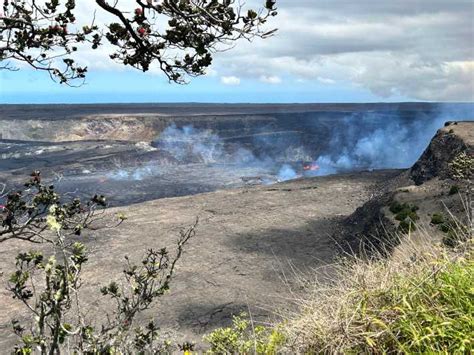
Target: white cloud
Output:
[(274, 80), (420, 49), (211, 72), (230, 80), (326, 81), (423, 51)]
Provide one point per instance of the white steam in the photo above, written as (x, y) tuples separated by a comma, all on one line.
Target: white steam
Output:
[(286, 173), (187, 142), (374, 142), (359, 141), (134, 174)]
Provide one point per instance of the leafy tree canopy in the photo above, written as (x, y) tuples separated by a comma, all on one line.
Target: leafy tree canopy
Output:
[(180, 36)]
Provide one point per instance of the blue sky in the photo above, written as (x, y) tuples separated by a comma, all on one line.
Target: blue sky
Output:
[(28, 86), (324, 51)]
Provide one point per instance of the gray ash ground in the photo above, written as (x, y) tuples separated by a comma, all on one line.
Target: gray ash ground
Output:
[(249, 243)]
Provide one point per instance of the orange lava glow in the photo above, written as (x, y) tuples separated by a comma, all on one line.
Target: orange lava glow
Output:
[(311, 167)]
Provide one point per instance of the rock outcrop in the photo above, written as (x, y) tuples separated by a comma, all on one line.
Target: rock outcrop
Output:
[(426, 185), (454, 138)]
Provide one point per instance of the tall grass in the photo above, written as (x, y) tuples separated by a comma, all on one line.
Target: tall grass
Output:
[(420, 299), (417, 298)]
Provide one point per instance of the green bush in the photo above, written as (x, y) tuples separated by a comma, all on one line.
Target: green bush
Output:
[(396, 207), (451, 239), (445, 227), (243, 338), (402, 208), (406, 226), (406, 214), (38, 214), (453, 190), (437, 218), (462, 166), (454, 234)]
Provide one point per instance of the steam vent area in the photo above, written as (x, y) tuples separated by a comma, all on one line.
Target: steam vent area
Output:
[(277, 190)]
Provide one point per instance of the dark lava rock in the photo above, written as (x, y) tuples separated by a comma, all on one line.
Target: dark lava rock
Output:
[(451, 140)]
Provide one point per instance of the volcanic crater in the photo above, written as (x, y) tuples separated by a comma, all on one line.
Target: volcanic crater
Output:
[(275, 188)]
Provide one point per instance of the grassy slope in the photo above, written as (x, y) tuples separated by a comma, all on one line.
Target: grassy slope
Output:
[(421, 299)]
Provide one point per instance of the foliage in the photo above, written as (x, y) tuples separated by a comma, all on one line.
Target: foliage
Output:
[(396, 207), (462, 166), (48, 283), (454, 231), (462, 170), (437, 218), (431, 312), (29, 213), (179, 36), (402, 209), (420, 300), (455, 234), (244, 338), (406, 226), (406, 215), (453, 190)]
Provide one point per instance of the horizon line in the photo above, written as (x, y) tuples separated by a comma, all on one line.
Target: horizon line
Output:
[(237, 103)]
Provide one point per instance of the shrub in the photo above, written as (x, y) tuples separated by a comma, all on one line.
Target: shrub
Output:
[(455, 234), (437, 218), (462, 170), (406, 226), (396, 207), (48, 284), (453, 190), (244, 338), (462, 166), (406, 215), (451, 239), (445, 227)]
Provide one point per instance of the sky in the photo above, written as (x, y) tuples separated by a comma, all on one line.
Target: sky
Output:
[(324, 51)]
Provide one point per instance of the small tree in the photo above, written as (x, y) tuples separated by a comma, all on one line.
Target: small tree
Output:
[(179, 36), (48, 283)]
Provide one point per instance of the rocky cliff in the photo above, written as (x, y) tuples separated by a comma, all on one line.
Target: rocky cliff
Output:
[(454, 138), (427, 187)]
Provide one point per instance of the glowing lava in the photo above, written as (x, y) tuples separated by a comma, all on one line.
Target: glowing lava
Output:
[(310, 167)]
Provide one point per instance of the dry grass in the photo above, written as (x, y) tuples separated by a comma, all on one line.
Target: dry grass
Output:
[(417, 297), (402, 303)]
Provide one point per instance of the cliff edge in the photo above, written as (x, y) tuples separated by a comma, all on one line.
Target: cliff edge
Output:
[(452, 139), (425, 190)]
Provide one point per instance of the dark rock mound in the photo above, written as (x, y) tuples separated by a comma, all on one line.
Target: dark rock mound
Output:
[(451, 140), (372, 227)]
